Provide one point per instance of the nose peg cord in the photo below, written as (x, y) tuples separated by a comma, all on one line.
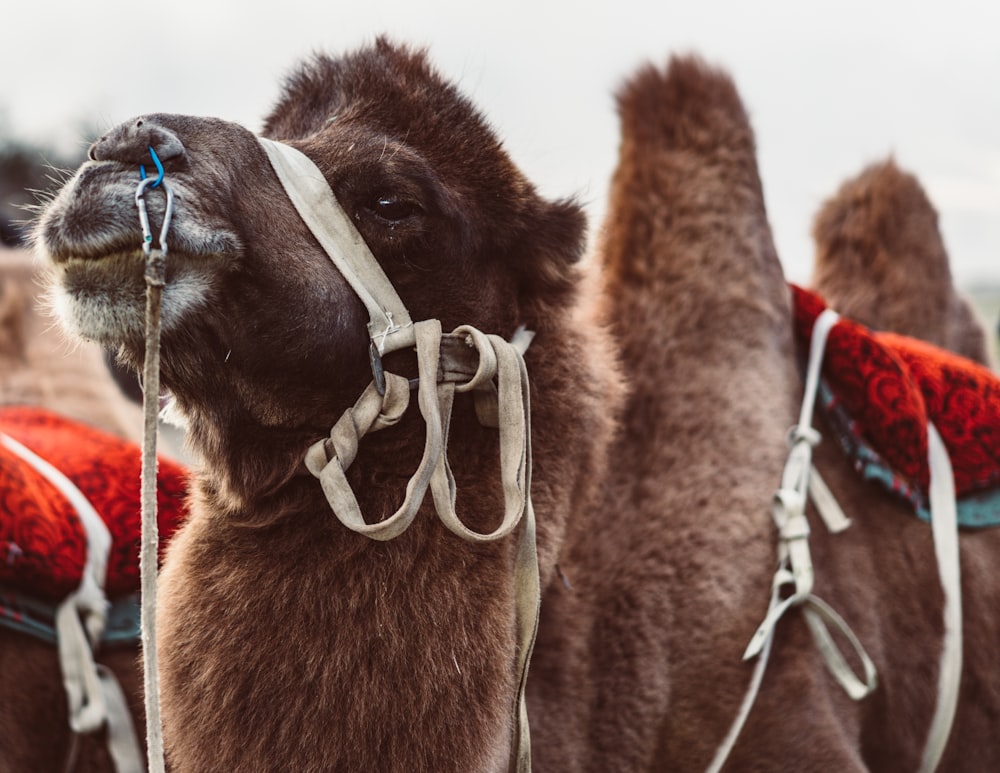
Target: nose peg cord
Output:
[(155, 275)]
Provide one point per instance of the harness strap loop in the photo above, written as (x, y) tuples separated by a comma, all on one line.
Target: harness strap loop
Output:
[(364, 417), (504, 406), (329, 459), (792, 584), (795, 568), (510, 405), (507, 406)]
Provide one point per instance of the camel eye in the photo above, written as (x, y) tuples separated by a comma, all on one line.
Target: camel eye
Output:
[(394, 210)]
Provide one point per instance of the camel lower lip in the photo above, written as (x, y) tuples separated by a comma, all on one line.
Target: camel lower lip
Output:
[(75, 260)]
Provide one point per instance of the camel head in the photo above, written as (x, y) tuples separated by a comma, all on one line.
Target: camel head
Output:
[(257, 322)]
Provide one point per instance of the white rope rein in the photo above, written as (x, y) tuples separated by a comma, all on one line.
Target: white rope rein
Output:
[(149, 553)]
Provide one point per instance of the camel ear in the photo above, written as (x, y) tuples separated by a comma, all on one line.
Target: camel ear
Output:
[(548, 246)]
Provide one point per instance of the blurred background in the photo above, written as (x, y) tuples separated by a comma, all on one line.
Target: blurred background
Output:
[(830, 86)]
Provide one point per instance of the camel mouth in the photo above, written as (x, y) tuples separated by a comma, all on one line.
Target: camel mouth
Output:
[(100, 294), (103, 299), (92, 239), (187, 241), (96, 217)]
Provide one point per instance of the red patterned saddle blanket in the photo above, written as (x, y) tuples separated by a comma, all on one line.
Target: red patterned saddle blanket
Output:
[(880, 390), (43, 543)]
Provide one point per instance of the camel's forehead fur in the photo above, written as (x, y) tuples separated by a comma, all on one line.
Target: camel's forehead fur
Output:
[(391, 98), (392, 88)]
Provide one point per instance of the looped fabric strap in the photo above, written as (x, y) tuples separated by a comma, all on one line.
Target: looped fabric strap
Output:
[(793, 581), (329, 458), (497, 378), (795, 568)]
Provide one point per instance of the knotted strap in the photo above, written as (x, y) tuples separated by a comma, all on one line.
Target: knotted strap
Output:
[(793, 580), (330, 458), (506, 406), (795, 568)]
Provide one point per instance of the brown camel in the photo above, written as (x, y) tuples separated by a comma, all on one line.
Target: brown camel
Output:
[(38, 366), (637, 664), (881, 260), (287, 641), (291, 643)]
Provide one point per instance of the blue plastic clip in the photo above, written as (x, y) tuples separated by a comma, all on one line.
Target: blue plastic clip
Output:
[(159, 168)]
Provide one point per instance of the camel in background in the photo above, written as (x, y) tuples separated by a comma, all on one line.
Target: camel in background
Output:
[(881, 261), (638, 660)]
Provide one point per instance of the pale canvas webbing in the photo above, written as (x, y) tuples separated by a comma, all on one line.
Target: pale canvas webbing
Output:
[(795, 568), (390, 326), (944, 527), (506, 407)]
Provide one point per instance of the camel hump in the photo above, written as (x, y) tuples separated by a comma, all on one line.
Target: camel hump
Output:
[(686, 247), (881, 260), (882, 222), (688, 105)]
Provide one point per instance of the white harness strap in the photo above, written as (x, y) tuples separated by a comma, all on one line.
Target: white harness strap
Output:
[(944, 526), (93, 695), (793, 551), (794, 560), (505, 406), (390, 327), (795, 568)]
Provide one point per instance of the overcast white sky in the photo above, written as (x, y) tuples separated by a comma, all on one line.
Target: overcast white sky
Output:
[(830, 86)]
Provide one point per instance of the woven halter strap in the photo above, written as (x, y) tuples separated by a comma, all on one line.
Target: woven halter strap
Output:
[(390, 327), (466, 360), (792, 585)]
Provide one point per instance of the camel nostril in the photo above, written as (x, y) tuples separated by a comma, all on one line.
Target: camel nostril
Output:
[(165, 143), (129, 143)]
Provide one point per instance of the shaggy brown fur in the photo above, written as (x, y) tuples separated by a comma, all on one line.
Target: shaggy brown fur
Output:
[(881, 261), (638, 665), (291, 644), (287, 642), (38, 367)]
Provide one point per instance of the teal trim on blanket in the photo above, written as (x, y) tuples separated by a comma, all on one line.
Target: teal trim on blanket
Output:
[(978, 510), (26, 614)]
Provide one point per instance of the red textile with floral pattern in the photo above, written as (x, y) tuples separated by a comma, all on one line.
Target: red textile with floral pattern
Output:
[(42, 541), (892, 385)]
